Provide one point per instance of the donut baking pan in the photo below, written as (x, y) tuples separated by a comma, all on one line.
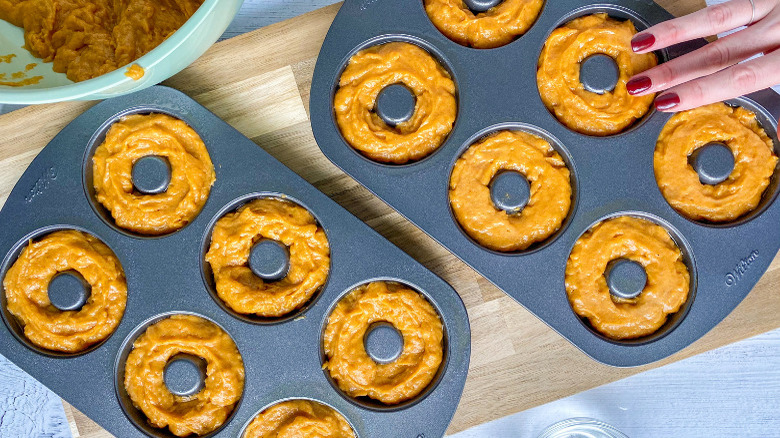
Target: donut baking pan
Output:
[(610, 175), (167, 275)]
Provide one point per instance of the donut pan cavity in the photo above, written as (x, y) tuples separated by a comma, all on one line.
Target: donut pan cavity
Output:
[(166, 275), (613, 175)]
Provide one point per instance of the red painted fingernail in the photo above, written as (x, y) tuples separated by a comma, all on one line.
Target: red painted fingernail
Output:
[(638, 84), (667, 101), (642, 41)]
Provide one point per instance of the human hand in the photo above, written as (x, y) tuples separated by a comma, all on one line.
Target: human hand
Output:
[(712, 73)]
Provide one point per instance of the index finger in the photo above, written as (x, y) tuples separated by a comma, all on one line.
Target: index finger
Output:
[(703, 23)]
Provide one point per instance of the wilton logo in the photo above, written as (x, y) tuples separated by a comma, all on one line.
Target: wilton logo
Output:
[(41, 184), (739, 270), (366, 3)]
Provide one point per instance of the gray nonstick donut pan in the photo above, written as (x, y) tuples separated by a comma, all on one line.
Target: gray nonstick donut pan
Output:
[(165, 275), (613, 175)]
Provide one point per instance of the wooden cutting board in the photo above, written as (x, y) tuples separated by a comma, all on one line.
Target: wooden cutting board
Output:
[(259, 83)]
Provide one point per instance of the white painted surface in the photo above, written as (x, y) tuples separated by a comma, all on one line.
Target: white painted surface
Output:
[(730, 392)]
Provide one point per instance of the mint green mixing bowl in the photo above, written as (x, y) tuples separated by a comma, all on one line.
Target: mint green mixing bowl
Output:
[(173, 55)]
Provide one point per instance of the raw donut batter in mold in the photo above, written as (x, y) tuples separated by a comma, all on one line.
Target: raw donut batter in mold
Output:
[(26, 291), (192, 173), (639, 240), (200, 413), (368, 72), (411, 314), (754, 162), (496, 27), (299, 418), (529, 155), (558, 75), (87, 38), (235, 234)]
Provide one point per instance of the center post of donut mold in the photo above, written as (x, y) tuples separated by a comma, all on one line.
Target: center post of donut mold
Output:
[(185, 374), (395, 104), (151, 174), (269, 260), (714, 162), (599, 73), (626, 278), (383, 342), (68, 290), (510, 191), (477, 6)]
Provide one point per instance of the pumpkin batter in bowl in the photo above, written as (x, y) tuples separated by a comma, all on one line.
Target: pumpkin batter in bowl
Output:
[(235, 234), (641, 241), (87, 38), (754, 162), (26, 291), (350, 366), (496, 27), (200, 413), (138, 136), (558, 75), (517, 151), (368, 72), (299, 418)]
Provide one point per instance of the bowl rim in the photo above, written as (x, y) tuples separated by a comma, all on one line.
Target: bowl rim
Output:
[(84, 89)]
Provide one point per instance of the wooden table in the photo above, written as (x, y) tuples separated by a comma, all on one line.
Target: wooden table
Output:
[(259, 83)]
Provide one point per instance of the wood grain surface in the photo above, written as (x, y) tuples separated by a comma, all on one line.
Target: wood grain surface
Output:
[(259, 83)]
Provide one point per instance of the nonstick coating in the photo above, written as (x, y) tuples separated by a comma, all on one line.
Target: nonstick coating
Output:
[(164, 275), (497, 89)]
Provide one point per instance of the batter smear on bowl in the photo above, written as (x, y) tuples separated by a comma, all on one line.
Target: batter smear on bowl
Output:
[(562, 91), (640, 241), (138, 136), (287, 223), (351, 367), (754, 162), (370, 71), (26, 291), (299, 418), (496, 27), (87, 38), (200, 413), (538, 162)]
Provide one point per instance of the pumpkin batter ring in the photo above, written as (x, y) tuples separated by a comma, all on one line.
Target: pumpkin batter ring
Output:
[(192, 173), (558, 75), (639, 240), (26, 290), (299, 418), (232, 240), (495, 27), (518, 151), (754, 162), (144, 382), (368, 72), (350, 366)]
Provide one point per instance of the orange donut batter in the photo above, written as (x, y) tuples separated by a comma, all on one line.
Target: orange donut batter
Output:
[(643, 242), (754, 162), (550, 190), (495, 27), (87, 38), (234, 236), (192, 174), (371, 70), (299, 418), (558, 75), (26, 291), (197, 414), (411, 314)]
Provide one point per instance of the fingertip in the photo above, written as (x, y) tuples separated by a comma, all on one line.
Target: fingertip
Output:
[(638, 85), (667, 102), (642, 42)]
